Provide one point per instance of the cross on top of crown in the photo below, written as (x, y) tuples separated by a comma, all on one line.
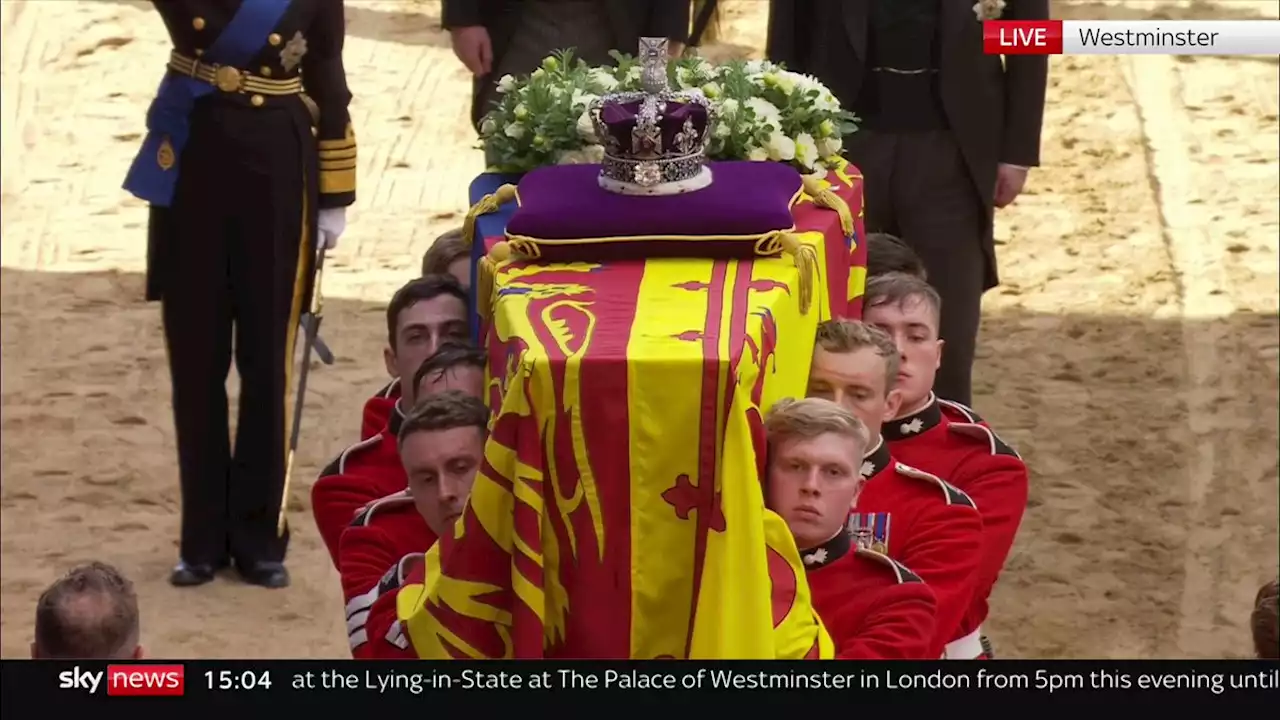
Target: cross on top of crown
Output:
[(653, 62)]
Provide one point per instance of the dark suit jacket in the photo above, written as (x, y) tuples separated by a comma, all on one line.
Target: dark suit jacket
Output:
[(631, 20), (994, 109)]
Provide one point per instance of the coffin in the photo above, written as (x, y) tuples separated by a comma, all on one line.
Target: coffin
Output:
[(619, 512)]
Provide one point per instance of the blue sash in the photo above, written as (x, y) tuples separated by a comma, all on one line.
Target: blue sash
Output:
[(154, 173)]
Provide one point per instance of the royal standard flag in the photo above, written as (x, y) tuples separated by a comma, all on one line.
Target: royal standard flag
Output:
[(619, 512)]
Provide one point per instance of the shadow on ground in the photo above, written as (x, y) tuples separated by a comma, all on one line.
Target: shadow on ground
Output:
[(1096, 404)]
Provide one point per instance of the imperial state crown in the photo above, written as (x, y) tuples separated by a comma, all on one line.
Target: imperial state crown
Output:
[(654, 140)]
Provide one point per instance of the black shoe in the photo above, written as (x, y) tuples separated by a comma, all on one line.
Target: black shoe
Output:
[(265, 574), (192, 574)]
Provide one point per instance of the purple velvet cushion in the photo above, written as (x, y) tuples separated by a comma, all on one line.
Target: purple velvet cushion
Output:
[(565, 203)]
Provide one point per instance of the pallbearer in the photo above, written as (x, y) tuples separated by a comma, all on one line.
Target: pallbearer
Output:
[(874, 607), (248, 164)]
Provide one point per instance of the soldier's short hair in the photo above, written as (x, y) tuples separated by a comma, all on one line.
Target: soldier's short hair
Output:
[(89, 613), (888, 253), (446, 411), (445, 251), (896, 288), (419, 290), (449, 355), (1265, 622), (845, 336), (807, 419)]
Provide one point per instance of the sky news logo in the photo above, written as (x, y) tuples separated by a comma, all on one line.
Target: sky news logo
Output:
[(126, 680)]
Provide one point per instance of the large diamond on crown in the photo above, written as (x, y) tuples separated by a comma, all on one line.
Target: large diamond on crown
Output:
[(654, 140)]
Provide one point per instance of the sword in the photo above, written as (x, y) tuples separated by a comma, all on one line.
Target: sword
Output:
[(310, 324)]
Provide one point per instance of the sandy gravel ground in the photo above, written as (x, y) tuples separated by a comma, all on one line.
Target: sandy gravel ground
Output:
[(1131, 353)]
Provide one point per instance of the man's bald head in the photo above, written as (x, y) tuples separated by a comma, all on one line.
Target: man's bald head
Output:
[(89, 614)]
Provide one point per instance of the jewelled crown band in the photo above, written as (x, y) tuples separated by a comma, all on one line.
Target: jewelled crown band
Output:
[(655, 140)]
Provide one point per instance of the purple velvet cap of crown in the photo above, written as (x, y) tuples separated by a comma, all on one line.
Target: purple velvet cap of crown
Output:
[(566, 202), (619, 118)]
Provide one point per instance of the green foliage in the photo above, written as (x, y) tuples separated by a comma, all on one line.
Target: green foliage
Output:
[(765, 112)]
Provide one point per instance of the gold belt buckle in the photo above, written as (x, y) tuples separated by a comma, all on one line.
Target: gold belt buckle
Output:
[(227, 79)]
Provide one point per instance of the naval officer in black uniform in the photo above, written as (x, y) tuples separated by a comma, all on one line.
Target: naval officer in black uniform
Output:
[(249, 165)]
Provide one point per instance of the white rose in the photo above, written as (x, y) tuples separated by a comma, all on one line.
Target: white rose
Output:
[(755, 67), (728, 108), (586, 127), (538, 73), (830, 146), (780, 147), (806, 150), (757, 154), (506, 84), (722, 130), (826, 102), (594, 153), (684, 78), (766, 112), (633, 73), (604, 79), (520, 111), (514, 130)]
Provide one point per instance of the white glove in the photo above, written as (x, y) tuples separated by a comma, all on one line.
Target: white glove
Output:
[(330, 224)]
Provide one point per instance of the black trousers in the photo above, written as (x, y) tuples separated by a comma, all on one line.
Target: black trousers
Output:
[(543, 28), (918, 188), (231, 286)]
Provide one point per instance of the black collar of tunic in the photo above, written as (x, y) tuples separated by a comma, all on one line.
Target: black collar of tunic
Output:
[(828, 552), (917, 423)]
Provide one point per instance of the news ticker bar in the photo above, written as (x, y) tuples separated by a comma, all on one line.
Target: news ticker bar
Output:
[(331, 684), (1131, 37)]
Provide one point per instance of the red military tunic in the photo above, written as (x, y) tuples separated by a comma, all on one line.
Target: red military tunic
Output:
[(926, 524), (951, 440), (873, 607), (363, 473), (378, 409), (379, 550)]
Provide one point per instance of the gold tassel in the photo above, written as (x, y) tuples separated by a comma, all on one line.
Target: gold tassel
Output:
[(806, 259), (489, 203), (824, 197), (487, 278)]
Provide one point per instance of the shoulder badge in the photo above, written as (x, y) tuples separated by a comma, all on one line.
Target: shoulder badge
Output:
[(870, 531), (900, 571), (964, 410), (954, 495), (984, 434), (365, 515)]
